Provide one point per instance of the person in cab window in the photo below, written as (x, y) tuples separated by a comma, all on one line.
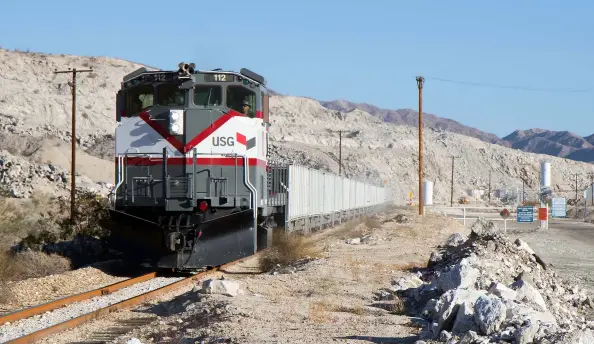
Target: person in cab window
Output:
[(246, 108)]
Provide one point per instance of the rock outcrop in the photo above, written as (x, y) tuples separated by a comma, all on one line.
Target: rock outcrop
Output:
[(489, 289)]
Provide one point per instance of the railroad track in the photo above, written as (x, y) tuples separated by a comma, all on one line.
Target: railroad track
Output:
[(126, 303)]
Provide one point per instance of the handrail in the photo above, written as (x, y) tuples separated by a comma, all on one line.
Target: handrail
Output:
[(254, 199), (120, 174)]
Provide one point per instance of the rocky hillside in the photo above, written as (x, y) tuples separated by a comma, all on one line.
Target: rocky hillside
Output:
[(35, 119), (411, 117), (558, 143), (35, 122)]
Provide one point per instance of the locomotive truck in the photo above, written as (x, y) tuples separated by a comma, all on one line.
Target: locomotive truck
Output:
[(193, 185)]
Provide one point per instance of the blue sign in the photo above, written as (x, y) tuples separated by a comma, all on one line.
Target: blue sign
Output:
[(525, 214), (558, 207)]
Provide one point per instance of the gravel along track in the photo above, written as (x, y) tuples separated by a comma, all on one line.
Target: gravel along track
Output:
[(24, 327)]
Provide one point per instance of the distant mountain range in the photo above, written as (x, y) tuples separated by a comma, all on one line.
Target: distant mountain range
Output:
[(563, 144)]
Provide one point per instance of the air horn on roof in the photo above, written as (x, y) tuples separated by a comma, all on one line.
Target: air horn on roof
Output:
[(185, 68)]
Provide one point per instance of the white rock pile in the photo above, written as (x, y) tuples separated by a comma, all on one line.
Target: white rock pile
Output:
[(20, 177), (487, 289)]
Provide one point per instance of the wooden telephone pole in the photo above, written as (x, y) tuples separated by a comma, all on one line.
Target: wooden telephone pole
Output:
[(576, 188), (420, 81), (340, 147), (489, 191), (452, 186), (73, 138), (591, 175), (339, 152)]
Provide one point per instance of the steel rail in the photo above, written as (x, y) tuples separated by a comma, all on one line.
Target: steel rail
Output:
[(35, 336), (46, 307)]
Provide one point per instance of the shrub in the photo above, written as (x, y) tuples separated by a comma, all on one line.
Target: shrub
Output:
[(287, 248), (91, 219)]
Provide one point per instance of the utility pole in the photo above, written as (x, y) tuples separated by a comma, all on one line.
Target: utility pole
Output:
[(339, 152), (524, 184), (420, 81), (489, 192), (576, 189), (340, 147), (452, 186), (591, 188), (73, 138)]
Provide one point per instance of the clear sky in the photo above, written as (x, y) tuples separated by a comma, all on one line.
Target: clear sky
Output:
[(363, 51)]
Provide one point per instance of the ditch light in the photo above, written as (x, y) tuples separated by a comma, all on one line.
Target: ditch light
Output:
[(176, 122)]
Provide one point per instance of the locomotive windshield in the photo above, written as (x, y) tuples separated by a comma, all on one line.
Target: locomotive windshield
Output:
[(208, 96), (142, 97), (169, 94), (139, 98)]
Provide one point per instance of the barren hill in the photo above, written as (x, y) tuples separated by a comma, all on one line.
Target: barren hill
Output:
[(35, 123)]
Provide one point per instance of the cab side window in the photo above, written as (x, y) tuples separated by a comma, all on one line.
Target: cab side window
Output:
[(237, 95)]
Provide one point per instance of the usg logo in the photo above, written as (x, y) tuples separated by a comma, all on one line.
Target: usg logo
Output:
[(229, 141), (249, 144), (223, 141)]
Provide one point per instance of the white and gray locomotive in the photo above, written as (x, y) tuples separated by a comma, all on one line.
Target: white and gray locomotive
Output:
[(193, 184)]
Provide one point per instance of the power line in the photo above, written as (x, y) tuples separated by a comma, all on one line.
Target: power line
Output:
[(523, 88)]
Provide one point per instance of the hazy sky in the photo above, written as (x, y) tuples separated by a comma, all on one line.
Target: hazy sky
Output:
[(363, 51)]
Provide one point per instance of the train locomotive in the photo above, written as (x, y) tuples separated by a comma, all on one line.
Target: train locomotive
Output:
[(192, 178)]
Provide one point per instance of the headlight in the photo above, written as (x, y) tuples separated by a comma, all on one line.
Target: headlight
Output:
[(176, 122)]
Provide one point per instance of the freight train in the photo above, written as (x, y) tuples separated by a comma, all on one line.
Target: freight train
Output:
[(194, 186)]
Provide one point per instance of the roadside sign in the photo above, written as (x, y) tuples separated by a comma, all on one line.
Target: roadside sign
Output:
[(525, 214), (504, 213), (559, 207)]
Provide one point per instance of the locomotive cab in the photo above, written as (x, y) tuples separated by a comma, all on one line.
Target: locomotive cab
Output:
[(192, 177)]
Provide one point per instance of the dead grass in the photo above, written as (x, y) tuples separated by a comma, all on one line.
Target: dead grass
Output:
[(396, 306), (11, 219), (356, 310), (318, 313), (30, 264), (321, 311), (349, 230), (372, 222), (355, 268), (287, 248), (407, 232), (24, 265)]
